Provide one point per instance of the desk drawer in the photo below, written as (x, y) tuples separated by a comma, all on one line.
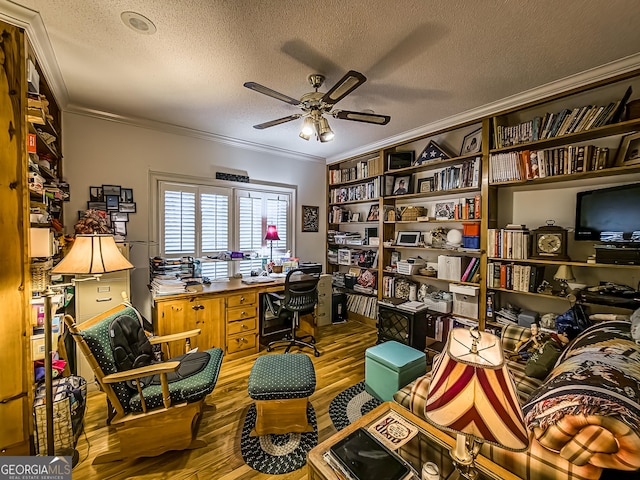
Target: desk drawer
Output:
[(244, 326), (239, 343), (241, 313), (247, 298)]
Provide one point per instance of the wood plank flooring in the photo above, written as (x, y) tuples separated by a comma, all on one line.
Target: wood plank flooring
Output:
[(340, 365)]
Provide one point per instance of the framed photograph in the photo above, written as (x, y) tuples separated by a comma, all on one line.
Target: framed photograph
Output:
[(398, 160), (95, 194), (112, 202), (472, 143), (407, 239), (119, 217), (355, 217), (119, 228), (126, 195), (111, 190), (310, 218), (444, 210), (97, 206), (425, 185), (374, 213), (127, 207), (629, 150), (401, 185)]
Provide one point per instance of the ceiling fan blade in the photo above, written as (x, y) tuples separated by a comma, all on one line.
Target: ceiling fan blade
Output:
[(362, 117), (344, 87), (272, 93), (273, 123)]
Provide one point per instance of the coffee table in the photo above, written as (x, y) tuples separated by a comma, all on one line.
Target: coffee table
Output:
[(429, 445)]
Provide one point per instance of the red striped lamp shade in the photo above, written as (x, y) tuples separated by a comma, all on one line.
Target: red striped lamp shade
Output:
[(472, 393)]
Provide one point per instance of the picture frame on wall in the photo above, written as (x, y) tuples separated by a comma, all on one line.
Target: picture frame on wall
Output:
[(111, 190), (112, 202), (310, 218), (126, 195), (97, 206), (127, 207), (95, 194), (472, 143), (119, 228), (629, 150), (119, 217)]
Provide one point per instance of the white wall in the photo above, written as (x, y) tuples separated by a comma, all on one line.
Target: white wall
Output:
[(98, 151)]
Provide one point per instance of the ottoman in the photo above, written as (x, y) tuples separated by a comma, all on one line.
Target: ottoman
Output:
[(281, 385), (390, 366)]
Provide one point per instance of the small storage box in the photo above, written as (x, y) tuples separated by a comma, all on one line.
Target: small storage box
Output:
[(470, 242), (438, 305), (406, 268), (471, 229), (449, 268), (390, 366), (465, 300)]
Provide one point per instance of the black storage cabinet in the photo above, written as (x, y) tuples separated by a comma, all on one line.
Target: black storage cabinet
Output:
[(405, 327)]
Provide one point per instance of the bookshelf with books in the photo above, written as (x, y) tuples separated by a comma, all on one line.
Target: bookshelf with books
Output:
[(541, 157)]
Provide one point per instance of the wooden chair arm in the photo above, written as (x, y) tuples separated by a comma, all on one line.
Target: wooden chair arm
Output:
[(174, 336), (136, 373)]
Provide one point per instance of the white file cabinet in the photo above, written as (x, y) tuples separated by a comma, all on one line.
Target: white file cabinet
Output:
[(96, 296)]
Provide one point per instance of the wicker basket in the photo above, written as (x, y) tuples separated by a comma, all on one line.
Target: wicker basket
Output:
[(411, 213), (40, 275)]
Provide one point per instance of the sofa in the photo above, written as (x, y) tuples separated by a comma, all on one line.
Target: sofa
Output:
[(582, 418)]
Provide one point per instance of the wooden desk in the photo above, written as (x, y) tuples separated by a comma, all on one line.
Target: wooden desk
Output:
[(435, 446), (227, 313)]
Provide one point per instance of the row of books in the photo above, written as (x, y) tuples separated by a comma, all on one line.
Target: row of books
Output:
[(564, 122), (527, 165), (471, 273), (510, 276), (463, 175), (364, 191), (511, 242), (468, 208), (363, 305), (363, 169)]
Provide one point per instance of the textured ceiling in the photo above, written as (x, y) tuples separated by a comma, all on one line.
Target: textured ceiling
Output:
[(424, 60)]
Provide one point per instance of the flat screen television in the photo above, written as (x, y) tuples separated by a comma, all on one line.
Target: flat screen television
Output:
[(608, 214)]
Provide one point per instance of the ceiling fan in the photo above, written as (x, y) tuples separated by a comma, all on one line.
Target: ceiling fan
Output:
[(316, 104)]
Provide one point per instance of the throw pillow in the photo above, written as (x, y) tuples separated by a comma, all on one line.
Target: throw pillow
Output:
[(542, 360)]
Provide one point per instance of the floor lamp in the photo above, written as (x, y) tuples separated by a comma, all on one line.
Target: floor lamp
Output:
[(90, 255), (272, 234)]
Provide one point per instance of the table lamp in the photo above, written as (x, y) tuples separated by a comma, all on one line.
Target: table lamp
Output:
[(90, 255), (564, 275), (472, 395), (272, 234)]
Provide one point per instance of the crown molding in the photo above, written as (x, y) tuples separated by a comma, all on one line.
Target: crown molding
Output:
[(191, 132), (31, 22), (596, 74)]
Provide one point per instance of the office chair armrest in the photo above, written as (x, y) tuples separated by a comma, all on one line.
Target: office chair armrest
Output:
[(275, 296), (174, 336), (139, 372)]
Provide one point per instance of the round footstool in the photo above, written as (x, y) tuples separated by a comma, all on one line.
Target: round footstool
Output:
[(281, 385)]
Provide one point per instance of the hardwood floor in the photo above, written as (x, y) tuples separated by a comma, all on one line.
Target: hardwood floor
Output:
[(340, 365)]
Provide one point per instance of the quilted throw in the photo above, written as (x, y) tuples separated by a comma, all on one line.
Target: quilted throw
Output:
[(598, 374)]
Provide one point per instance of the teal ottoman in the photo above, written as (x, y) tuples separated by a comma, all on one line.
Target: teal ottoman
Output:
[(390, 366)]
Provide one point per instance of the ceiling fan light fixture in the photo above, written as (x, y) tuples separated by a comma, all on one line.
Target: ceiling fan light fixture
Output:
[(307, 128), (325, 134)]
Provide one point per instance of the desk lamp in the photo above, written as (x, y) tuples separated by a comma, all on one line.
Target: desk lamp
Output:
[(272, 234), (90, 255), (564, 275), (472, 395)]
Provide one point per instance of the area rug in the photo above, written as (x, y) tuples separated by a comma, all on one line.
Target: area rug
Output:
[(277, 454), (350, 405)]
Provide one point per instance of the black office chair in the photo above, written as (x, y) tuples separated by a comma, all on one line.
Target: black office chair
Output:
[(300, 298)]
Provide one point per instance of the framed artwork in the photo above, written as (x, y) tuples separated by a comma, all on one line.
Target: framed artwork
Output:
[(126, 195), (629, 150), (407, 239), (425, 185), (119, 228), (397, 160), (432, 153), (355, 217), (119, 217), (111, 190), (112, 202), (401, 185), (472, 143), (97, 206), (127, 207), (95, 194), (310, 218), (444, 210), (374, 212)]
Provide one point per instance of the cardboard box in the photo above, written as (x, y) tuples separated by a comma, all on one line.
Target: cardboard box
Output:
[(465, 300)]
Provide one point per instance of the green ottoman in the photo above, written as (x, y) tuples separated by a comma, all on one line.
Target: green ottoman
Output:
[(281, 385), (390, 366)]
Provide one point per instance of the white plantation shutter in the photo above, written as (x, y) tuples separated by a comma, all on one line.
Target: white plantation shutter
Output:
[(277, 214), (250, 226), (179, 214), (214, 210)]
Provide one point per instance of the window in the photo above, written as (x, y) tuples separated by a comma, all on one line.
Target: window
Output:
[(201, 221)]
